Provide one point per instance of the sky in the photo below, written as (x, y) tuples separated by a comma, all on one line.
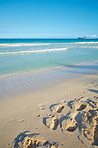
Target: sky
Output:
[(48, 18)]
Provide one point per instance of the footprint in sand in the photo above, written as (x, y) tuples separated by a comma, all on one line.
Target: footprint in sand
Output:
[(85, 116), (41, 106), (89, 122), (93, 104), (88, 134), (51, 122), (54, 123), (78, 104), (69, 125), (58, 107), (30, 142), (91, 133), (82, 116), (95, 137)]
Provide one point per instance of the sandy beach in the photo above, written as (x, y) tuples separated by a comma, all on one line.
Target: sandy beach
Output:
[(48, 74), (63, 113)]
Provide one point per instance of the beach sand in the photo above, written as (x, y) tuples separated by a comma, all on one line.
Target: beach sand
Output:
[(63, 115)]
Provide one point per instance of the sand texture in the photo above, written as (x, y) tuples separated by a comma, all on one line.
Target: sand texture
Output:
[(61, 116)]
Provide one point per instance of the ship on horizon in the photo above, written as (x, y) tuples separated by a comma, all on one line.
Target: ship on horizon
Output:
[(82, 37)]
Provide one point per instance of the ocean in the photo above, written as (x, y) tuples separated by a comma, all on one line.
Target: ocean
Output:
[(25, 55)]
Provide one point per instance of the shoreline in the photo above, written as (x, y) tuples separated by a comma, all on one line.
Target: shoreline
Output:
[(94, 63), (33, 81)]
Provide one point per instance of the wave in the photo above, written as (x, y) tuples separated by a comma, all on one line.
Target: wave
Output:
[(86, 42), (88, 47), (40, 44), (23, 44), (33, 51), (44, 50)]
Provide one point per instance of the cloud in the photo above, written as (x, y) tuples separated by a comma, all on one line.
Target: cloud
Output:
[(93, 36)]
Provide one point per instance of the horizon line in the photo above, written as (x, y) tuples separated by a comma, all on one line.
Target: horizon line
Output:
[(42, 38)]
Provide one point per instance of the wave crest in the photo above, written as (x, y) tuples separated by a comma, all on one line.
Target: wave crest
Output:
[(40, 44), (23, 44), (33, 51)]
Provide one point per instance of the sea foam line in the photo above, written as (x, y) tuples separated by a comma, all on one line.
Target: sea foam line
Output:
[(86, 42), (40, 44), (88, 47), (33, 51), (23, 44)]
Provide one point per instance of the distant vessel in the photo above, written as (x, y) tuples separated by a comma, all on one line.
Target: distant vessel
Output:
[(82, 37)]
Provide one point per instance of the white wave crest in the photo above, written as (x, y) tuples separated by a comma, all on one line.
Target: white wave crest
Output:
[(40, 44), (88, 47), (23, 44), (86, 42), (33, 51)]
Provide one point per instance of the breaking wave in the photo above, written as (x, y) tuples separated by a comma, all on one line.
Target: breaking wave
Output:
[(23, 44), (33, 51), (40, 44)]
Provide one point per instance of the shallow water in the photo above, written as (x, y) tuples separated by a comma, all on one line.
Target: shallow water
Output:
[(23, 55)]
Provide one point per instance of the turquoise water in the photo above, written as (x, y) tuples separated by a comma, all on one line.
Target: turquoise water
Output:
[(23, 55)]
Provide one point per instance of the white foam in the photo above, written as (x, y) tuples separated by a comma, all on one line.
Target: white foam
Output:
[(23, 44), (88, 47), (40, 44), (77, 43), (33, 51), (86, 42)]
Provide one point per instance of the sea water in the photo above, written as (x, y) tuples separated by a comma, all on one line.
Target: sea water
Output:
[(24, 55)]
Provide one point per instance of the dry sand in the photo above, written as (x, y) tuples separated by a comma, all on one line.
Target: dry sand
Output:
[(63, 116)]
